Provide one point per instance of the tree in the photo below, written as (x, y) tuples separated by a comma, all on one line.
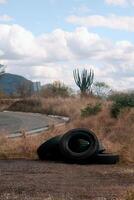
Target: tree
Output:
[(84, 80), (56, 88), (24, 89), (2, 69), (101, 89)]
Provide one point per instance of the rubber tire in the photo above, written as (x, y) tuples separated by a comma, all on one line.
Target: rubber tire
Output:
[(49, 149), (106, 158), (101, 147), (68, 154)]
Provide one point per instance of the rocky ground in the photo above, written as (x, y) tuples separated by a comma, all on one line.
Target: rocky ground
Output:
[(36, 180)]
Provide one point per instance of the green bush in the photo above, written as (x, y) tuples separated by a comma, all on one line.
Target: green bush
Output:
[(120, 101), (91, 110)]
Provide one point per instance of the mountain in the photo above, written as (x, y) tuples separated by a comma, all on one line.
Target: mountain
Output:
[(11, 84)]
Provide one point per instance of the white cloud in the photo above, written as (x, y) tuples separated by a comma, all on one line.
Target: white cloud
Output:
[(3, 1), (52, 56), (17, 43), (5, 18), (112, 21), (120, 2)]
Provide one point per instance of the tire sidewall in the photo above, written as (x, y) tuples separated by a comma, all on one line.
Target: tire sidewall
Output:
[(49, 146), (69, 154)]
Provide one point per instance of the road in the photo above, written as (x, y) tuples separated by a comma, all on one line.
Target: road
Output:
[(36, 180), (14, 122)]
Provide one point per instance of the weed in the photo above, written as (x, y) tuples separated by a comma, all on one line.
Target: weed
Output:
[(91, 110), (121, 101)]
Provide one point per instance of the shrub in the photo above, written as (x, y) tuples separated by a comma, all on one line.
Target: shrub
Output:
[(101, 89), (2, 94), (121, 100), (56, 89), (27, 105), (115, 110), (91, 110)]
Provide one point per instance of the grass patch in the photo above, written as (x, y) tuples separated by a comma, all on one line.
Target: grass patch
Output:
[(91, 110)]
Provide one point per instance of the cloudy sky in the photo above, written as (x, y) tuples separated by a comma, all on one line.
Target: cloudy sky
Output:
[(45, 40)]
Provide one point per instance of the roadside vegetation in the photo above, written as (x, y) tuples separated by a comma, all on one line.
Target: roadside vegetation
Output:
[(121, 101), (117, 134), (130, 195), (110, 115)]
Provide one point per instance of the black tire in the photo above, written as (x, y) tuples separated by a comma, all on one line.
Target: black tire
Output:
[(49, 149), (101, 147), (106, 158), (73, 150)]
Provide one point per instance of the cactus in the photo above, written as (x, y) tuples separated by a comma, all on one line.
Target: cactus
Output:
[(84, 80)]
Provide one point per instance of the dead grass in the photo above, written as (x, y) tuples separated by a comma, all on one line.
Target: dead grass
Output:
[(5, 103), (25, 146), (130, 195), (14, 196), (116, 134), (57, 106)]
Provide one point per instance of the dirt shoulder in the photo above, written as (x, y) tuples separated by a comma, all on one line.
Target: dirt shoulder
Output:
[(36, 180)]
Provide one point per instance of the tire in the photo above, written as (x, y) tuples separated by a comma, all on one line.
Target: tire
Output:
[(101, 147), (49, 149), (78, 144), (106, 158)]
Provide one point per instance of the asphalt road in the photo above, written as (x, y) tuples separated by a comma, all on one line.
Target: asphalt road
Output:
[(36, 180), (14, 122)]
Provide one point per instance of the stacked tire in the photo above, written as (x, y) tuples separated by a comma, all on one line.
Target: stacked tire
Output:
[(76, 146)]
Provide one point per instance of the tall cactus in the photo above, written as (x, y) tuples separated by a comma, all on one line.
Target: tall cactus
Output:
[(84, 80)]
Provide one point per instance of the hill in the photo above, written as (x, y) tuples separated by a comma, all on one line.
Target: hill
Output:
[(11, 83)]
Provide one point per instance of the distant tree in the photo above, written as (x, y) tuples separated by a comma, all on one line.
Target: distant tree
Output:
[(2, 94), (24, 89), (101, 89), (56, 88), (2, 69), (84, 80)]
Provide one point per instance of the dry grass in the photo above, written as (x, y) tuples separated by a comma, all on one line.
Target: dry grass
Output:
[(14, 196), (116, 134), (57, 106), (130, 195), (25, 146), (5, 103), (67, 107)]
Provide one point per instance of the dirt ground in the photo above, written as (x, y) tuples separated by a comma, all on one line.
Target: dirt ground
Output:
[(36, 180)]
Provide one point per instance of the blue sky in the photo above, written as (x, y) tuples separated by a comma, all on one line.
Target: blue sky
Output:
[(45, 16), (46, 40)]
